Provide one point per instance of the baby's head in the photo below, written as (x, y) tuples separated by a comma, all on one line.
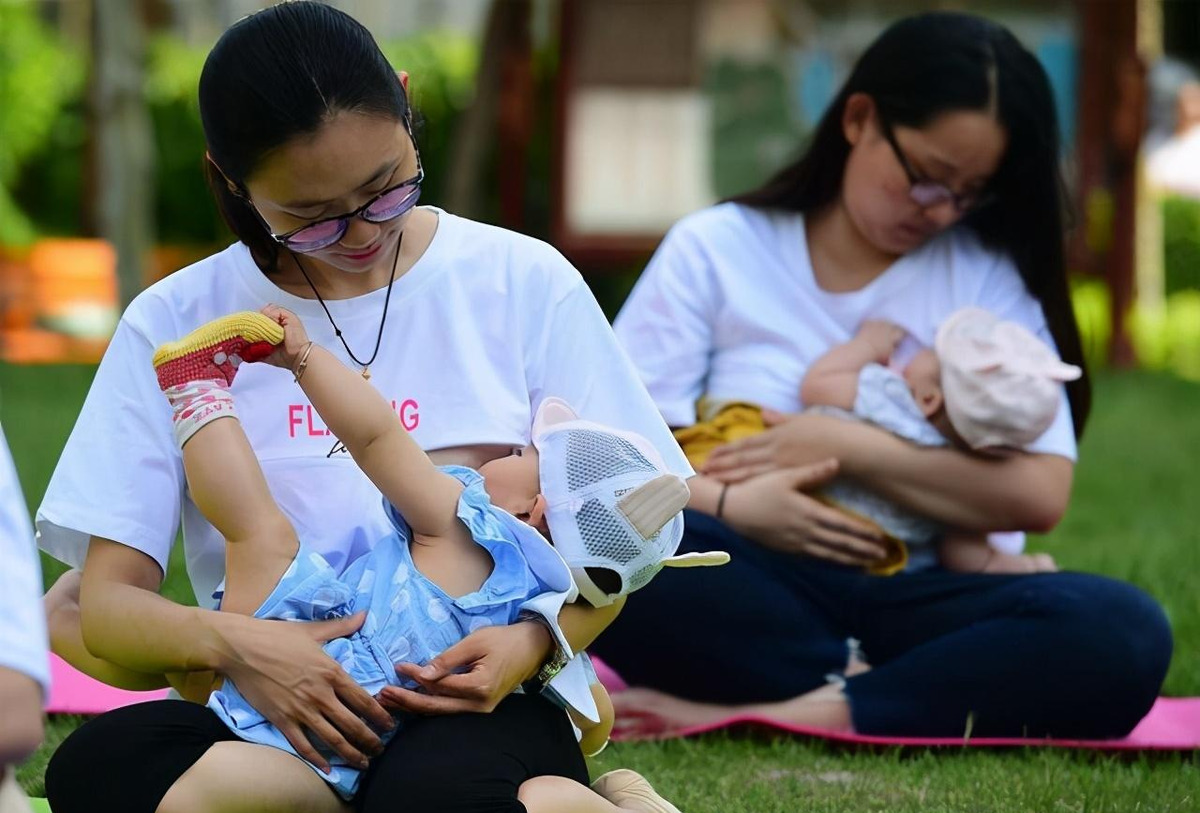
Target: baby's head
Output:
[(987, 384), (604, 496)]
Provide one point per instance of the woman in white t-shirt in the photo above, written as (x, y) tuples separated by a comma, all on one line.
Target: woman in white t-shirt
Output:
[(931, 184), (24, 669), (464, 328)]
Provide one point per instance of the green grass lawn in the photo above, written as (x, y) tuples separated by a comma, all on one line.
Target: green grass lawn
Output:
[(1134, 516)]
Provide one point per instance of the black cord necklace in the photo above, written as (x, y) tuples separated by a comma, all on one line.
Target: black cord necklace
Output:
[(366, 372)]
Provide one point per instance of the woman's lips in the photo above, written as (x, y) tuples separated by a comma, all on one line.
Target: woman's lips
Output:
[(365, 255)]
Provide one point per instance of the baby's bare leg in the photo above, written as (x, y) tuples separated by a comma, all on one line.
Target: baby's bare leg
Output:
[(972, 554), (196, 374), (595, 735), (240, 777), (228, 486)]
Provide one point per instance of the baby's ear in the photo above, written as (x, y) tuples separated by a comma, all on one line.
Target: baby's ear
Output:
[(537, 515), (929, 399)]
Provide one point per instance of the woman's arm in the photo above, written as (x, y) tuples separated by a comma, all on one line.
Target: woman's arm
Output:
[(1026, 492), (21, 711), (278, 666), (356, 413)]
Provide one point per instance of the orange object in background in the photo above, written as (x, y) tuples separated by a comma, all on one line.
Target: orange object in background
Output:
[(61, 302)]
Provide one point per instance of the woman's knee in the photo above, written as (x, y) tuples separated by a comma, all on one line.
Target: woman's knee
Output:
[(1119, 628)]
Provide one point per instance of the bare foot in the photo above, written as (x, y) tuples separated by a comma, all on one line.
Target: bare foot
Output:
[(630, 791), (1021, 563), (650, 714)]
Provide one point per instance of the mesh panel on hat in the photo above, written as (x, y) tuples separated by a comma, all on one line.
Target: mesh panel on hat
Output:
[(594, 456), (603, 535)]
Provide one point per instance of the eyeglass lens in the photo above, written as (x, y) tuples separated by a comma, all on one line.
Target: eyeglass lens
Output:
[(388, 206)]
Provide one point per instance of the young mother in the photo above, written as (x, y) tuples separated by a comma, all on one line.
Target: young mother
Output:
[(930, 184), (464, 327)]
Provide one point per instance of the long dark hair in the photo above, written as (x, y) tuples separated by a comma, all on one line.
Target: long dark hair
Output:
[(933, 63), (275, 75)]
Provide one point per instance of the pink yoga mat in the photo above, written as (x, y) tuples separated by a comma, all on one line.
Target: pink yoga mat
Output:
[(72, 692), (1173, 724)]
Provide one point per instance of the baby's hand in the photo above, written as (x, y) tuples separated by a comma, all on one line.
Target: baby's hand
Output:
[(295, 337), (881, 335)]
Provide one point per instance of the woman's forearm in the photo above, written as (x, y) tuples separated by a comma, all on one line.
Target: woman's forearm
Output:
[(1024, 492), (125, 621)]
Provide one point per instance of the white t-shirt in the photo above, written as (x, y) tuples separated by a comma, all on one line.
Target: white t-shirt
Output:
[(485, 325), (728, 307), (23, 644)]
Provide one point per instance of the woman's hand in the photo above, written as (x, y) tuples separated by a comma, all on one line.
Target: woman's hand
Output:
[(279, 667), (295, 337), (773, 510), (473, 675), (790, 440)]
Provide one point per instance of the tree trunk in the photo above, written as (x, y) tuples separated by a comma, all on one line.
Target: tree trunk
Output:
[(123, 147)]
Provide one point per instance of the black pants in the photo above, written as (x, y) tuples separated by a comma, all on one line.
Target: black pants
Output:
[(464, 763), (1064, 654)]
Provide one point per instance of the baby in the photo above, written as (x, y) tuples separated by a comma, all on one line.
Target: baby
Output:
[(465, 551), (987, 386)]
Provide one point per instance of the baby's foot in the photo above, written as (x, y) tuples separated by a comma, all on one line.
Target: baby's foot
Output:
[(1021, 563), (196, 372), (630, 791), (212, 352)]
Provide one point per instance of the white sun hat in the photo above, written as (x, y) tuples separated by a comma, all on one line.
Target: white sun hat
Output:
[(611, 503), (1002, 385)]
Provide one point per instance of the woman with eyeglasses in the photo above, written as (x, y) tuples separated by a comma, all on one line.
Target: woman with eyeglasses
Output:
[(931, 184), (464, 328)]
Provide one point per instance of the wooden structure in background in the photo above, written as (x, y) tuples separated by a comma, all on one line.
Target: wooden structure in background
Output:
[(1112, 103), (624, 53)]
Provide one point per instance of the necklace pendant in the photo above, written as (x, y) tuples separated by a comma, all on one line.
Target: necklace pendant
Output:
[(366, 374)]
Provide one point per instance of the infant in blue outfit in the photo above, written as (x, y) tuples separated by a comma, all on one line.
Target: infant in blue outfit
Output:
[(454, 562)]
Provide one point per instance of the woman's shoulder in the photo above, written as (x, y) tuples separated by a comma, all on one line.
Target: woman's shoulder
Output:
[(729, 221), (494, 253)]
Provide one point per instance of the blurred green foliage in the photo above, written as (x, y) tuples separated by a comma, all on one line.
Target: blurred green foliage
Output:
[(1164, 340), (1181, 243), (46, 173), (39, 77)]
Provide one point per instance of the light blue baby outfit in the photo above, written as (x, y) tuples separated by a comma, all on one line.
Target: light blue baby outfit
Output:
[(409, 618), (885, 400)]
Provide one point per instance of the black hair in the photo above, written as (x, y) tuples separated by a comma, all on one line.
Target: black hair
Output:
[(277, 74), (933, 63)]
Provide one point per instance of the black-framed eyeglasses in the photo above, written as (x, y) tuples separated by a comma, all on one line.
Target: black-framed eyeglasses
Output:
[(926, 193), (389, 204)]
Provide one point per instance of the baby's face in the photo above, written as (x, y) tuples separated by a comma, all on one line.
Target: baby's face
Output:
[(514, 484)]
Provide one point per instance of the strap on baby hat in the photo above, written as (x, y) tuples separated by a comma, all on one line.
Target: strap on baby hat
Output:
[(652, 505)]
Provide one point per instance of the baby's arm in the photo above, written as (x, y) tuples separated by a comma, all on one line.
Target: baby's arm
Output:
[(832, 380), (356, 413)]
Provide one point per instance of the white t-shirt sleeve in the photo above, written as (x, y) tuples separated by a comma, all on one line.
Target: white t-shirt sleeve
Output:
[(575, 356), (120, 476), (1004, 294), (667, 325), (23, 644)]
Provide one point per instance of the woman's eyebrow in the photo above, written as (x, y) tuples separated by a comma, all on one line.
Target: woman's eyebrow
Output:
[(384, 171)]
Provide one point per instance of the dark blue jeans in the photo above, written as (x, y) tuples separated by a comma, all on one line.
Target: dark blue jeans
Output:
[(1059, 654)]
